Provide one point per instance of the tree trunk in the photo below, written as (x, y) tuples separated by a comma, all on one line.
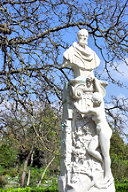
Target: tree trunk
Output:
[(45, 171), (25, 168), (29, 172)]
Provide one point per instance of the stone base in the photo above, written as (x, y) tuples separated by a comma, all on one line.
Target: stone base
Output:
[(84, 184)]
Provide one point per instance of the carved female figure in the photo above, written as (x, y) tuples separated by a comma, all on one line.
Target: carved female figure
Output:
[(103, 130)]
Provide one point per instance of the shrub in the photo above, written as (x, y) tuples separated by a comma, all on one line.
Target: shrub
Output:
[(28, 189), (8, 155), (122, 187), (48, 189)]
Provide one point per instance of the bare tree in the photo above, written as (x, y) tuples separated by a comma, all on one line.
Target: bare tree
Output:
[(117, 113), (33, 35)]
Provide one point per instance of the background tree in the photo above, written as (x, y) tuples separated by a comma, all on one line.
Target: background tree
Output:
[(30, 135), (119, 158), (8, 153)]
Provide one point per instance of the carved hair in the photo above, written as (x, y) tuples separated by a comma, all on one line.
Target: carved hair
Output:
[(82, 32)]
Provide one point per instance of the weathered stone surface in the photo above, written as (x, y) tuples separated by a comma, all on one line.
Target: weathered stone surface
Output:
[(85, 144)]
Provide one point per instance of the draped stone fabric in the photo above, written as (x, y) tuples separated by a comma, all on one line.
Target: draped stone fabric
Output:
[(84, 58)]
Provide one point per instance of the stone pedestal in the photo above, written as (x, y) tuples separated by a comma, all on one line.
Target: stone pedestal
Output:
[(85, 143), (79, 170)]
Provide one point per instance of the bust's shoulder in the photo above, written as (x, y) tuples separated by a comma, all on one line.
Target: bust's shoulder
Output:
[(69, 51), (75, 44)]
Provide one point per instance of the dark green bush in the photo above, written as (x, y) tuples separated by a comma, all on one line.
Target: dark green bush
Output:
[(122, 187)]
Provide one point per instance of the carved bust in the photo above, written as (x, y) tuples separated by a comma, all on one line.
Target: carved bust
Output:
[(82, 58)]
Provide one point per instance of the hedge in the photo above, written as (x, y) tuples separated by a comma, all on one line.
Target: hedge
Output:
[(122, 187), (30, 190)]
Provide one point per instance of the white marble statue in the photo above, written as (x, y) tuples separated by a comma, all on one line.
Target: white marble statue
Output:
[(85, 143), (82, 58)]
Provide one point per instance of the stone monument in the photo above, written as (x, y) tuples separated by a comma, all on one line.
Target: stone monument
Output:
[(85, 143)]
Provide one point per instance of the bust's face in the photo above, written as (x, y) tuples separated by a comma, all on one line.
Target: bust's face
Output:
[(83, 39)]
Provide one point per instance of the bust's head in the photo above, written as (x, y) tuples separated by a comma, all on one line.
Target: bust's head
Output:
[(82, 37)]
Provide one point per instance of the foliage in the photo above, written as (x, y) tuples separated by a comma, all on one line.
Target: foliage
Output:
[(36, 175), (28, 189), (119, 168), (1, 170), (119, 159), (38, 131), (8, 154), (31, 134), (120, 187), (117, 145)]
